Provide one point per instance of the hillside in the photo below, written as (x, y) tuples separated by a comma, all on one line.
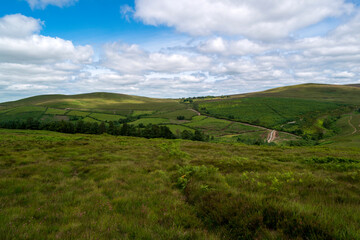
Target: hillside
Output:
[(310, 111), (323, 92), (65, 186), (259, 166), (98, 101)]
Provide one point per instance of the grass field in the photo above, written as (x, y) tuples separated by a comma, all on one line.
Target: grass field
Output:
[(219, 127), (177, 129), (104, 101), (269, 112), (322, 92), (59, 186), (147, 121), (89, 119), (347, 136), (139, 113), (78, 113), (188, 114), (106, 117), (53, 111), (275, 109)]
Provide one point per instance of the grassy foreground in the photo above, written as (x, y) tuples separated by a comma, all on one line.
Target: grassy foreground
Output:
[(60, 186)]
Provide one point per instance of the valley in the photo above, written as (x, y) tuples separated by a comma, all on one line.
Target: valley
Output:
[(256, 166)]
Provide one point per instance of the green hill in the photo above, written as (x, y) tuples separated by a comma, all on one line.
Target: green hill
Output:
[(296, 177), (310, 111), (76, 186), (96, 101), (322, 92)]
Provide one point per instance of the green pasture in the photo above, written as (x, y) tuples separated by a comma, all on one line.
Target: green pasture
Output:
[(147, 121), (140, 112), (53, 111), (177, 129), (268, 112), (187, 113), (78, 113), (106, 117), (63, 186)]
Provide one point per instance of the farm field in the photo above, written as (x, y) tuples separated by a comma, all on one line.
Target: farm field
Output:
[(53, 111), (177, 129), (146, 121), (72, 186), (186, 113), (303, 116), (322, 92), (78, 113), (106, 117), (139, 113), (268, 112)]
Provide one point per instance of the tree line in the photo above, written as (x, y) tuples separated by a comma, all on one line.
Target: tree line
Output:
[(112, 128)]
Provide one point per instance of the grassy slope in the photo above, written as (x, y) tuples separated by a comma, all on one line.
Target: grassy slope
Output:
[(59, 186), (333, 93), (347, 137), (268, 112), (98, 101), (271, 108), (294, 108)]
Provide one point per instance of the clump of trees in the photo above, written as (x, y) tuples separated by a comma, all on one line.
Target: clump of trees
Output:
[(112, 128), (191, 99)]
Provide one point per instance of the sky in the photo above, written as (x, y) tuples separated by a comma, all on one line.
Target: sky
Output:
[(173, 49)]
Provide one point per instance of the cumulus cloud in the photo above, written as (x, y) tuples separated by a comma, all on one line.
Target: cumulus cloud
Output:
[(240, 47), (213, 65), (132, 59), (30, 61), (20, 42), (44, 3), (262, 19), (18, 26)]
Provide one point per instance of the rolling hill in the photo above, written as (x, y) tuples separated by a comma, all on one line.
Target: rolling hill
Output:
[(304, 184), (99, 101), (310, 111), (323, 92)]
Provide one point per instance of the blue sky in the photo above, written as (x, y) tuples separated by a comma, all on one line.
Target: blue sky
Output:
[(162, 48)]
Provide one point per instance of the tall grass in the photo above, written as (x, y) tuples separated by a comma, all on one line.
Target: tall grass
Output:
[(60, 186)]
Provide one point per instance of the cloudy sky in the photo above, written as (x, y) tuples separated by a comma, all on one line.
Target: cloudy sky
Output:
[(167, 48)]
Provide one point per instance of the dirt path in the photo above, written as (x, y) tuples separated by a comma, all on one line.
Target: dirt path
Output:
[(198, 113), (271, 137), (351, 125)]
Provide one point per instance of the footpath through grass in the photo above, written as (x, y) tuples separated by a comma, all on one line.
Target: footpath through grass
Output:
[(60, 186)]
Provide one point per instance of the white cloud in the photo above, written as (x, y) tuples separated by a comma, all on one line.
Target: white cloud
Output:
[(20, 42), (25, 87), (240, 47), (30, 61), (344, 74), (18, 26), (37, 48), (132, 59), (261, 19), (44, 3)]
